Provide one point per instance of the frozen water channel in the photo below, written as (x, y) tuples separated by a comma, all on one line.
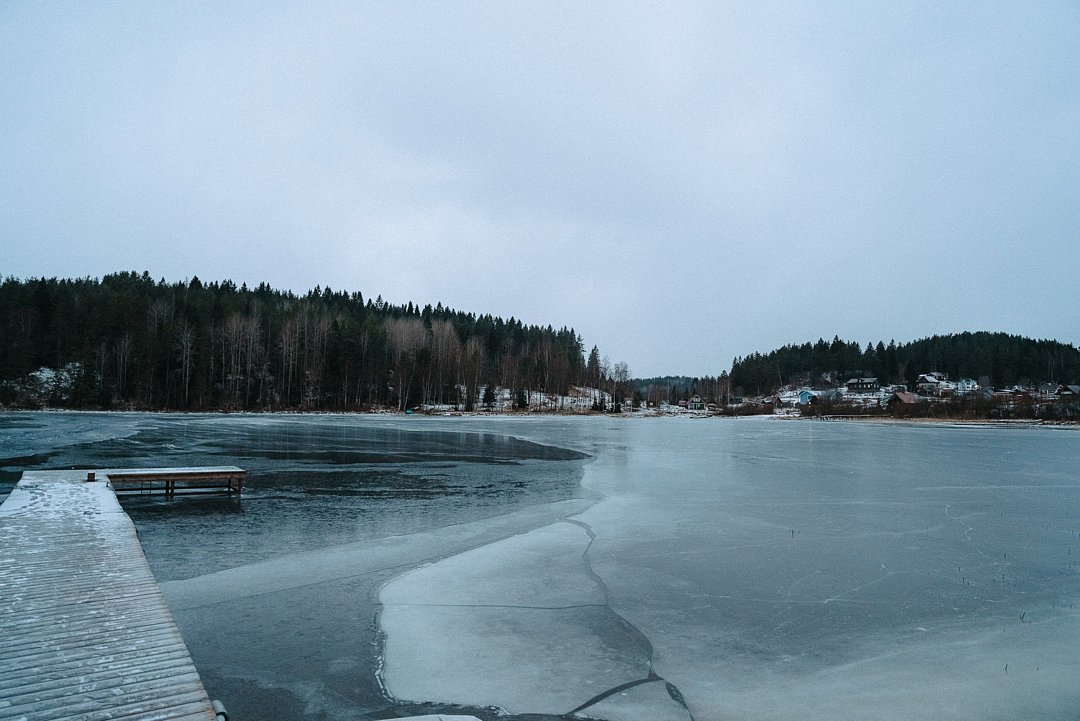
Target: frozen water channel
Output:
[(621, 569)]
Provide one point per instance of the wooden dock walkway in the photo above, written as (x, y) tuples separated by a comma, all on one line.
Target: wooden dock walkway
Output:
[(85, 633), (203, 479)]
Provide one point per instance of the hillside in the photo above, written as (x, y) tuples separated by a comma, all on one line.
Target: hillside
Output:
[(993, 359), (128, 341)]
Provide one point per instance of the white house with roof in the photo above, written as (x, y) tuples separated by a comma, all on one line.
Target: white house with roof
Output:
[(930, 383), (965, 386)]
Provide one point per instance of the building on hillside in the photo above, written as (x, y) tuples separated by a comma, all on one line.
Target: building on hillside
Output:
[(1069, 392), (965, 386), (901, 401), (1013, 399), (827, 396), (930, 383), (863, 385), (788, 399), (1049, 390)]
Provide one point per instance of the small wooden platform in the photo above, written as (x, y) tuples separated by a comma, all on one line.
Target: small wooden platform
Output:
[(170, 481), (85, 632)]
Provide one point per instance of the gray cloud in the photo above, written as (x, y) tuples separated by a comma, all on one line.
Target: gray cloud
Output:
[(681, 183)]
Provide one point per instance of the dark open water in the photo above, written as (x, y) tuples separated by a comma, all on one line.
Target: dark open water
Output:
[(313, 482)]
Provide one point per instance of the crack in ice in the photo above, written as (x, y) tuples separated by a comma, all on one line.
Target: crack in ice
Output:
[(672, 689)]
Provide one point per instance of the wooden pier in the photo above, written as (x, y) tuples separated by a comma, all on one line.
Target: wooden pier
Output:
[(85, 632), (170, 481)]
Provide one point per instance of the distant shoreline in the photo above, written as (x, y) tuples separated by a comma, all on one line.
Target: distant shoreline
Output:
[(887, 420)]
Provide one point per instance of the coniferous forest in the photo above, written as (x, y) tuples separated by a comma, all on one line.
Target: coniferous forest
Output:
[(128, 341), (992, 359)]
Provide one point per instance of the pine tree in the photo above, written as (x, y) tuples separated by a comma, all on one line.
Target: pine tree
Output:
[(592, 368)]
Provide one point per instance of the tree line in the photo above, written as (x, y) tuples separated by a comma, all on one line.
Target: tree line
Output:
[(129, 341), (673, 389), (992, 359)]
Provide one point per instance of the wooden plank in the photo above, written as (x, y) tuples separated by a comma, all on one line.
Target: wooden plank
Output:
[(84, 629)]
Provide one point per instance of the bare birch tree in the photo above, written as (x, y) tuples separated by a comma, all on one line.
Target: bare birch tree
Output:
[(122, 352), (407, 337), (620, 376), (472, 367), (316, 330), (233, 345), (289, 350), (185, 346), (445, 349)]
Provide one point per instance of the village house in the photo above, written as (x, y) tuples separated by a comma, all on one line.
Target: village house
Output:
[(1048, 391), (788, 398), (901, 401), (863, 385), (931, 384), (965, 386), (1013, 399), (827, 396), (695, 404)]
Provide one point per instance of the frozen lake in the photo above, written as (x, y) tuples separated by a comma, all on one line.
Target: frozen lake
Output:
[(621, 569)]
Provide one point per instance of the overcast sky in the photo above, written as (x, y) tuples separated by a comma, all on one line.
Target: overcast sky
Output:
[(680, 182)]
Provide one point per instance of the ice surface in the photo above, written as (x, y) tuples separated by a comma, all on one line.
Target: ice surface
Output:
[(313, 481), (276, 591), (527, 563), (24, 434), (649, 701), (785, 570), (523, 660), (764, 569), (306, 568), (522, 625)]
